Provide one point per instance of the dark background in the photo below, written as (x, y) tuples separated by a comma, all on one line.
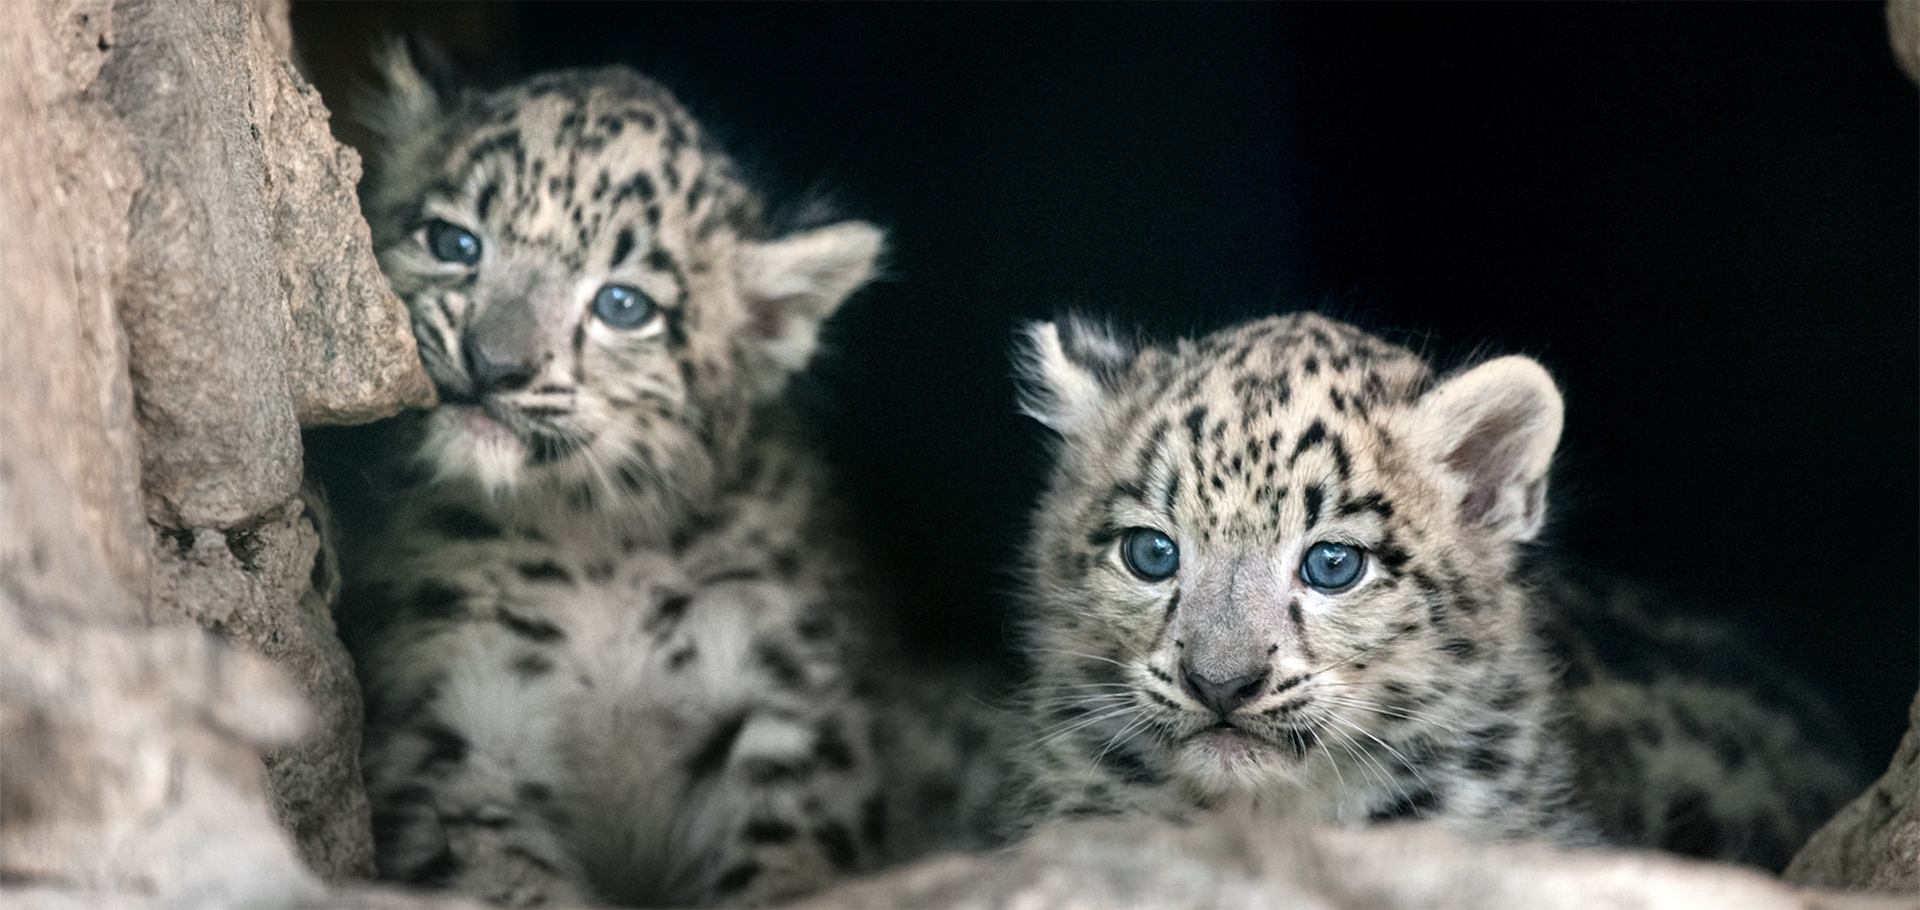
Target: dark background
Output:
[(1702, 218)]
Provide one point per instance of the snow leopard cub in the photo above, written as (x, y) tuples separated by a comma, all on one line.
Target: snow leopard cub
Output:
[(613, 645), (1283, 565)]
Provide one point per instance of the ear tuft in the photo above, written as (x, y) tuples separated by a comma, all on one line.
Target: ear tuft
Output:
[(1494, 428), (413, 98), (1067, 369), (793, 284)]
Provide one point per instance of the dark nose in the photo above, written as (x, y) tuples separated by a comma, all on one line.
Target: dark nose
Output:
[(1223, 696), (494, 371)]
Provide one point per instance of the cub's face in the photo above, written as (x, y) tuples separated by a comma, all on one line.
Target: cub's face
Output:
[(588, 282), (1275, 545)]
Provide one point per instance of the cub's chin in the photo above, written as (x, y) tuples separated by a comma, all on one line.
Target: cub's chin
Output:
[(1225, 761), (462, 442)]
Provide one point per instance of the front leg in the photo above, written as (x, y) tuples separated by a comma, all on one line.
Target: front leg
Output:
[(459, 771)]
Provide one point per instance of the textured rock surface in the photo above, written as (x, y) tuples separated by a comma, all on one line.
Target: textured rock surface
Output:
[(1238, 862), (253, 305), (189, 280), (201, 301), (165, 800), (1874, 842), (69, 508)]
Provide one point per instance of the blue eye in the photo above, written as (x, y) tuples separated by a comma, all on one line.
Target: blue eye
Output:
[(452, 243), (1149, 554), (623, 306), (1332, 567)]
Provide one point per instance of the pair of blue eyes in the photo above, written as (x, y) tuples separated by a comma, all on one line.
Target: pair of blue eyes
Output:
[(1328, 567), (621, 306)]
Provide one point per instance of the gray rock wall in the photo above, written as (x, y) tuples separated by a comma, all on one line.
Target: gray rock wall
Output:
[(188, 283)]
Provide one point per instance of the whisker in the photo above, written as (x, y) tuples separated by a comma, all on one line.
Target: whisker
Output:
[(1404, 761)]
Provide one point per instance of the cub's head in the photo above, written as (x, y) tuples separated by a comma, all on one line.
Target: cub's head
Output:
[(593, 289), (1273, 551)]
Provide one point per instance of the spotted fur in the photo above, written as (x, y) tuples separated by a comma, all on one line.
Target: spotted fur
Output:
[(613, 644), (1428, 688)]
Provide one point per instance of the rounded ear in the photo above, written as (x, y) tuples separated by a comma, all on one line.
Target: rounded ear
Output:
[(1494, 429), (1067, 369), (793, 284)]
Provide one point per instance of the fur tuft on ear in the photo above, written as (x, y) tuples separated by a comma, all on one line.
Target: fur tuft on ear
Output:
[(412, 101), (1067, 369), (1494, 429), (793, 284)]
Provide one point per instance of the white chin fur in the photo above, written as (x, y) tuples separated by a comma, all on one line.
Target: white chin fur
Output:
[(464, 443), (1235, 763)]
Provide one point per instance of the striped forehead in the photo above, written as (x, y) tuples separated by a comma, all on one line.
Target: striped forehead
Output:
[(1245, 426), (581, 176)]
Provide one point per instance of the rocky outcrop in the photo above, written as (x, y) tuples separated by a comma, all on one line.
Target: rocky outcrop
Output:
[(1874, 842), (189, 283)]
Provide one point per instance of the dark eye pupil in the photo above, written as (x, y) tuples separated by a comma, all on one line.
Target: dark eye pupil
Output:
[(623, 306), (1332, 566), (1150, 554), (452, 243)]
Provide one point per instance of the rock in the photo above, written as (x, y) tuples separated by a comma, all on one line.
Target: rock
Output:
[(1903, 33), (1874, 842), (1238, 861), (70, 520), (201, 301), (253, 585), (253, 305), (191, 282), (163, 800), (352, 358)]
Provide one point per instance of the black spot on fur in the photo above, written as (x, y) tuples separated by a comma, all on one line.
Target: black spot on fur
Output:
[(433, 600), (538, 630), (1460, 648), (1129, 767), (873, 820), (781, 663), (832, 749), (1371, 502), (1487, 762), (484, 203), (837, 843), (1316, 434), (1412, 805), (461, 523), (1196, 421), (816, 626), (622, 245), (711, 757), (1689, 827), (544, 571), (762, 772), (669, 613), (1312, 494), (533, 792), (1509, 696), (531, 666), (736, 878), (445, 746), (769, 831), (436, 872)]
